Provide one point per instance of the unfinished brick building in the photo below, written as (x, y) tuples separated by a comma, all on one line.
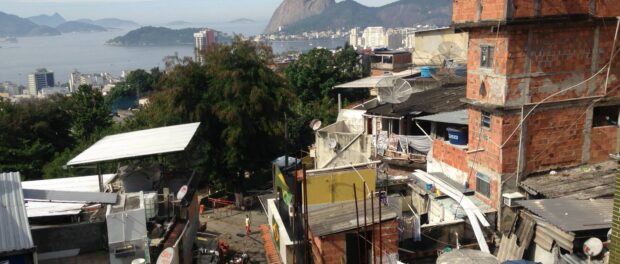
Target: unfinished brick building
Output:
[(547, 57)]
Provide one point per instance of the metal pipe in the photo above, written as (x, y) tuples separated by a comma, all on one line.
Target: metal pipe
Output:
[(357, 219), (100, 177), (305, 207), (380, 231), (372, 217)]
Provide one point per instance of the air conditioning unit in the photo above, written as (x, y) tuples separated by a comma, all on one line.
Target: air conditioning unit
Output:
[(511, 198)]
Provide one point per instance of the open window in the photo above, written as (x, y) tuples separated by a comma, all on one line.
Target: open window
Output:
[(605, 116)]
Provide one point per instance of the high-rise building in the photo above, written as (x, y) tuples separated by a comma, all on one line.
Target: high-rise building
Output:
[(374, 37), (353, 37), (40, 79), (204, 40)]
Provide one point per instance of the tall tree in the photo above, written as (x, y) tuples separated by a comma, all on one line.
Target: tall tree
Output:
[(32, 133), (90, 114)]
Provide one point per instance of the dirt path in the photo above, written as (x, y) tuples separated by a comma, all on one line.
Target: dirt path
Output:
[(230, 225)]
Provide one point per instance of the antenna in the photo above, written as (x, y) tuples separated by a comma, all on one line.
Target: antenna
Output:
[(333, 144), (394, 90)]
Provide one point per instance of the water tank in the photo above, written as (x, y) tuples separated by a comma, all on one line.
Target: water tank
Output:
[(425, 72), (467, 256), (457, 136)]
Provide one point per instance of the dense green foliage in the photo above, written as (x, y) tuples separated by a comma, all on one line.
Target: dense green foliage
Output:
[(242, 104), (136, 84), (312, 77), (159, 36)]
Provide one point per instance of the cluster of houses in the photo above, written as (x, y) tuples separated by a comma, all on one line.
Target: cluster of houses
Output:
[(502, 151), (503, 148)]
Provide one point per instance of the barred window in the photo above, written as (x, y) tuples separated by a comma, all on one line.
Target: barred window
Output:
[(483, 184)]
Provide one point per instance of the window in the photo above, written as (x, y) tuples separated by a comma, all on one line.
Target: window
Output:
[(486, 56), (396, 126), (387, 59), (605, 116), (483, 184), (486, 119)]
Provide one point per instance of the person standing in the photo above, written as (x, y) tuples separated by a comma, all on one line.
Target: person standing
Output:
[(247, 225)]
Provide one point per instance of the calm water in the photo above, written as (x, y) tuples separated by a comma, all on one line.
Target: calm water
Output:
[(88, 53)]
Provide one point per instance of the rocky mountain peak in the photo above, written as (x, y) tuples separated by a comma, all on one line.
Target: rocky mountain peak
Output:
[(291, 11)]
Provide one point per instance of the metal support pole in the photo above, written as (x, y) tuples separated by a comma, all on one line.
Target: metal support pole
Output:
[(365, 227), (372, 217), (380, 231), (357, 219), (100, 177)]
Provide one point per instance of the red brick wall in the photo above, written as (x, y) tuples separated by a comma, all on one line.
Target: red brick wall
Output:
[(486, 139), (604, 140), (447, 153), (492, 10), (555, 139), (607, 8), (463, 11), (333, 247)]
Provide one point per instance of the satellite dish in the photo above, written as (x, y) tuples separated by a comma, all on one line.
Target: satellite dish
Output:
[(166, 256), (592, 247), (182, 192), (315, 124), (394, 90)]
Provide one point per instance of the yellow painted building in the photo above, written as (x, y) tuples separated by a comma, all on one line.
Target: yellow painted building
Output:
[(327, 186)]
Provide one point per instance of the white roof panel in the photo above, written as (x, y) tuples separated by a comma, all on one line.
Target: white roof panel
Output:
[(373, 81), (82, 184), (14, 228), (137, 144)]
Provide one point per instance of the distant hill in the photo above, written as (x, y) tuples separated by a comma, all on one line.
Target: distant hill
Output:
[(156, 36), (161, 36), (48, 20), (14, 26), (178, 23), (242, 21), (111, 23), (75, 26), (349, 14)]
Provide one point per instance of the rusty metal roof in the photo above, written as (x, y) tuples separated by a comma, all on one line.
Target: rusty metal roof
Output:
[(438, 100), (586, 182), (573, 215), (14, 228)]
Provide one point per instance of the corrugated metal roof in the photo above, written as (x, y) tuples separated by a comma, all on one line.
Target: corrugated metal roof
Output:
[(82, 184), (444, 99), (70, 196), (138, 144), (373, 81), (584, 182), (573, 215), (460, 117), (14, 227)]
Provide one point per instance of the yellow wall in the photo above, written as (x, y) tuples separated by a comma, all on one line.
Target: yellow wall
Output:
[(337, 186)]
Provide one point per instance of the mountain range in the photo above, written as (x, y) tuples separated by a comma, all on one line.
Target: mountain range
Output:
[(55, 24), (349, 14)]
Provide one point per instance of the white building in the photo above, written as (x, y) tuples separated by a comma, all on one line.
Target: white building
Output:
[(354, 37), (374, 37)]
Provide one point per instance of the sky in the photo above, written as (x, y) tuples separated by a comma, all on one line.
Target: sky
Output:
[(154, 11)]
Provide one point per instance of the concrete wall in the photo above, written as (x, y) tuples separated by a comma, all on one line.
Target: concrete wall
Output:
[(432, 47), (88, 237), (358, 151), (279, 235)]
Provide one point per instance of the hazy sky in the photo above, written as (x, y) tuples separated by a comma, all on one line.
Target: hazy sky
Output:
[(154, 11)]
